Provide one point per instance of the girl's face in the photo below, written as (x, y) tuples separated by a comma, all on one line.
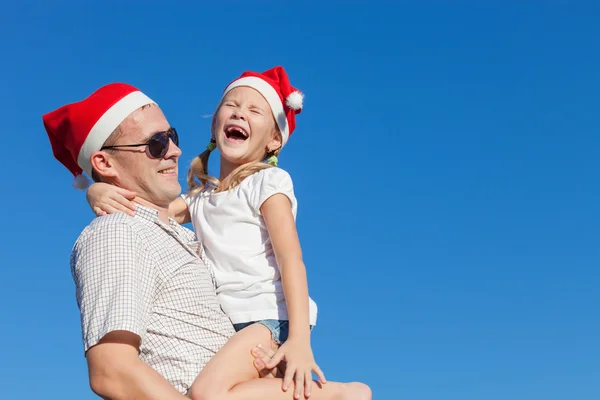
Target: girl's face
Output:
[(244, 127)]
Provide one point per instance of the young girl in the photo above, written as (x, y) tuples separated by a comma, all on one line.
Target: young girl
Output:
[(246, 222)]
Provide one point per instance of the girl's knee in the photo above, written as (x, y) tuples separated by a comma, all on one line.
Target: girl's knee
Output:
[(201, 392), (204, 388), (232, 365)]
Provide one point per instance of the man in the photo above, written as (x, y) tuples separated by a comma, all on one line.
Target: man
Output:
[(149, 313)]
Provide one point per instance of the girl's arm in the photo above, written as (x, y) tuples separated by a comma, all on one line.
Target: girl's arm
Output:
[(277, 214), (179, 211), (109, 199)]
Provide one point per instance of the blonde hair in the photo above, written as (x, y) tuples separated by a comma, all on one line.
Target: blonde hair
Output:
[(198, 176)]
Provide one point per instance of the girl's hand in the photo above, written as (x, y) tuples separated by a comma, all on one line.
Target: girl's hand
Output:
[(299, 366), (109, 199)]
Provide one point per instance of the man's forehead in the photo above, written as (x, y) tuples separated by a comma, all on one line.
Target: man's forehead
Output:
[(145, 121)]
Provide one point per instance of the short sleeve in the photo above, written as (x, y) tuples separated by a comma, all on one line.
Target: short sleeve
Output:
[(190, 198), (114, 278), (269, 182), (193, 198), (186, 198)]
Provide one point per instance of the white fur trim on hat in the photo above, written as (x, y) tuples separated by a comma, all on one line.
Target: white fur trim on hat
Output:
[(272, 97), (106, 125)]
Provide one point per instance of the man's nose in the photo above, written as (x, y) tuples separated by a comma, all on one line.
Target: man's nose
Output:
[(173, 151)]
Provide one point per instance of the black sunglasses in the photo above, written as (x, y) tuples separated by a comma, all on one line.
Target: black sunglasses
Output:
[(158, 144)]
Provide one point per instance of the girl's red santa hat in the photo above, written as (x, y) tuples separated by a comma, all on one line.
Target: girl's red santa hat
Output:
[(284, 99), (77, 130)]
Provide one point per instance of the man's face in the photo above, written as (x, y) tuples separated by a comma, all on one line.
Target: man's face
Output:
[(154, 180)]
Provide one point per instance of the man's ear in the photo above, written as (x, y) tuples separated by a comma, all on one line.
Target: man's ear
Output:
[(104, 165)]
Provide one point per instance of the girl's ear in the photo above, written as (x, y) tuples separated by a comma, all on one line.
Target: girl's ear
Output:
[(213, 123), (214, 119), (275, 143)]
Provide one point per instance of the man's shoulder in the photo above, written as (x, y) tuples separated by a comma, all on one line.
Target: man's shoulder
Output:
[(109, 235), (115, 226), (117, 219)]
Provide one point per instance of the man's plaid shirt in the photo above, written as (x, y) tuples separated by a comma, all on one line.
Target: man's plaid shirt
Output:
[(144, 276)]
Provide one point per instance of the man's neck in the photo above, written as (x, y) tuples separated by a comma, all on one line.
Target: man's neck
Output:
[(163, 212)]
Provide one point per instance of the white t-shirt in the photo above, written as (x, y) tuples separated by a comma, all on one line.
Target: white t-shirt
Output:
[(237, 243)]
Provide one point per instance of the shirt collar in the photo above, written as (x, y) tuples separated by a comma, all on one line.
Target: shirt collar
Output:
[(149, 214)]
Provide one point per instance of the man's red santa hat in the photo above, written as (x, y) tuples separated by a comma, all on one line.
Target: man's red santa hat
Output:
[(284, 99), (77, 130)]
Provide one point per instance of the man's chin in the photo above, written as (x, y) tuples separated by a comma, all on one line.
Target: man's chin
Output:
[(167, 194), (173, 192)]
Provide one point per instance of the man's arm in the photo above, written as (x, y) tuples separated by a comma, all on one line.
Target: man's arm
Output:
[(116, 372), (115, 280)]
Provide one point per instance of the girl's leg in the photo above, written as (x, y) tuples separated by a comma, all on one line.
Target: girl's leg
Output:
[(230, 375), (232, 364), (261, 389)]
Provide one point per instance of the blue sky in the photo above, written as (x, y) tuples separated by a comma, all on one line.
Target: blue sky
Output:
[(445, 165)]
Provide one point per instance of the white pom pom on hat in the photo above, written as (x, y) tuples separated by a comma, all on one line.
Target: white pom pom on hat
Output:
[(295, 100), (81, 182)]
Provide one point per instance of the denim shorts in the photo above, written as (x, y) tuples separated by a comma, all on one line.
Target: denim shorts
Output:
[(280, 329)]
